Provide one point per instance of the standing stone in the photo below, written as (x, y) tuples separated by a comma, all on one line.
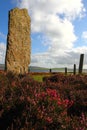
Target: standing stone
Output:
[(18, 42), (81, 63)]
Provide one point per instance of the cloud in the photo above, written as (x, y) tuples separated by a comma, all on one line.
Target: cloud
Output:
[(84, 35), (2, 52), (68, 8), (68, 59), (2, 36), (54, 19), (2, 47)]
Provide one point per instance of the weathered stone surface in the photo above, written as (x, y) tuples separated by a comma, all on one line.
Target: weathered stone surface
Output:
[(18, 41)]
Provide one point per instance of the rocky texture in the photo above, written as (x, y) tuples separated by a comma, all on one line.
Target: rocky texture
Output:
[(18, 41)]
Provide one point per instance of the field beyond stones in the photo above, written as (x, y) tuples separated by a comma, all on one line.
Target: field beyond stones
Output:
[(43, 101)]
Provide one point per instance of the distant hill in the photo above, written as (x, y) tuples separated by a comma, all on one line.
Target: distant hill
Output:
[(37, 68), (2, 66)]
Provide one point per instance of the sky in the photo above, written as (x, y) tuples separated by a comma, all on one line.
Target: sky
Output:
[(58, 31)]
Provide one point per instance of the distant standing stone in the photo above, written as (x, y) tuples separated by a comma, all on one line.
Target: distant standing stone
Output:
[(18, 41)]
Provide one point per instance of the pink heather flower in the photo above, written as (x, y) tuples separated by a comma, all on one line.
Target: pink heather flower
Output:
[(28, 99), (49, 120), (13, 83), (22, 98), (59, 102), (52, 93), (43, 94), (71, 103), (66, 101)]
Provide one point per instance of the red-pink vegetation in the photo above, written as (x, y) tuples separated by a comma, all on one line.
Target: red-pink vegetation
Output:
[(56, 104)]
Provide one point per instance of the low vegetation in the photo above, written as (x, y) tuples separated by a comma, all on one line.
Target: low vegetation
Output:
[(57, 103), (39, 76)]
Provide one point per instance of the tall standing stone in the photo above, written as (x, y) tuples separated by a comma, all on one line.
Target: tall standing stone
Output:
[(18, 41), (81, 63)]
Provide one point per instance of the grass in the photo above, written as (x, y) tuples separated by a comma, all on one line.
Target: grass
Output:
[(39, 76)]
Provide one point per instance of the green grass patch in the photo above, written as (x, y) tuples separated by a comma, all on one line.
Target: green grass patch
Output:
[(38, 78)]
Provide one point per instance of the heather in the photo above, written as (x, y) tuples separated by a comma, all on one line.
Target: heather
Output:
[(57, 103)]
